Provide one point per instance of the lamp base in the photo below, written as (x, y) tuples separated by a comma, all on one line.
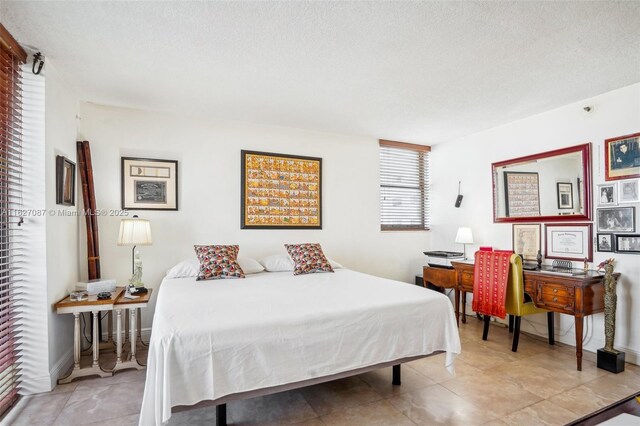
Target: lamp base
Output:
[(613, 362)]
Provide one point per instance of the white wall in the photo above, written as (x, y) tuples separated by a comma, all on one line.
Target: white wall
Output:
[(61, 106), (209, 193), (469, 159)]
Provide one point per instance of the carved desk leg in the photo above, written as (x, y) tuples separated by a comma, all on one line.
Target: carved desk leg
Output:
[(579, 321)]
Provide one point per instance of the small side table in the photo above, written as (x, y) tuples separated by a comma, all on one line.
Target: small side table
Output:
[(133, 305), (95, 306)]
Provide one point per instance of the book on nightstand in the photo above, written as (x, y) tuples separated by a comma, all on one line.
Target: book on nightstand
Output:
[(97, 286)]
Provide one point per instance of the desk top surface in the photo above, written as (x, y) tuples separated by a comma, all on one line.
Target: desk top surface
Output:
[(549, 270)]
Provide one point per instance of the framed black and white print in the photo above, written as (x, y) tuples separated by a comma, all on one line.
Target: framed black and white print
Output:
[(605, 242), (565, 195), (616, 219), (628, 243), (629, 191), (608, 194), (65, 181), (149, 184)]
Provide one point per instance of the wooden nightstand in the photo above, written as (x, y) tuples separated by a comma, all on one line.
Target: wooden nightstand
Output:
[(133, 305), (95, 306)]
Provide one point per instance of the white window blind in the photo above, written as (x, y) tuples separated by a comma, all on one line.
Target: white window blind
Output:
[(11, 57), (404, 186)]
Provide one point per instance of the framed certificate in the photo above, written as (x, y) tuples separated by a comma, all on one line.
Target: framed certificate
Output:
[(569, 241)]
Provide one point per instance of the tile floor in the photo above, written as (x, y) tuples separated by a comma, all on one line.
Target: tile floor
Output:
[(538, 385)]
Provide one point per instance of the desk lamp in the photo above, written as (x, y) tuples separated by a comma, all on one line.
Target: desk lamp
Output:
[(464, 237), (135, 231)]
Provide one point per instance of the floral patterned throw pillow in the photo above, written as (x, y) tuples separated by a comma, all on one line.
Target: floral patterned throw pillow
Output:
[(218, 262), (308, 258)]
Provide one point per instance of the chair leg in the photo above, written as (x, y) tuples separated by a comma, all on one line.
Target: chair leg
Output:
[(550, 326), (485, 332), (516, 334), (510, 323)]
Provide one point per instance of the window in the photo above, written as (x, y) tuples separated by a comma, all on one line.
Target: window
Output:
[(11, 57), (404, 186)]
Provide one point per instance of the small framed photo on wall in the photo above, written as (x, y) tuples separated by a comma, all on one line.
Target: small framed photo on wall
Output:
[(608, 194), (65, 181), (616, 219), (605, 242), (149, 184), (629, 191), (628, 243)]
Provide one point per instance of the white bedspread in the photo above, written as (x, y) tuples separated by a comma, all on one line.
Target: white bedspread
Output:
[(215, 338)]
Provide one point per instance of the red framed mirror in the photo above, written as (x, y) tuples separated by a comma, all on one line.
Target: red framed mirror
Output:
[(546, 187)]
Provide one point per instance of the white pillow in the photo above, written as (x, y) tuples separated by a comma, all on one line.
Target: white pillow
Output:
[(249, 265), (277, 263), (186, 268), (191, 267), (283, 263)]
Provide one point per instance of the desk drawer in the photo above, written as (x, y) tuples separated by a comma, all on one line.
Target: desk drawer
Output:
[(466, 280), (441, 277), (555, 303), (556, 289)]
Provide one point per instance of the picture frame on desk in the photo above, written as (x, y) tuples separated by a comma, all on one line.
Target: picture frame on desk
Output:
[(569, 241), (526, 240)]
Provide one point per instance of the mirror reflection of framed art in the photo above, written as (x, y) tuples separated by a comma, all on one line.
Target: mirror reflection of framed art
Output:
[(565, 195)]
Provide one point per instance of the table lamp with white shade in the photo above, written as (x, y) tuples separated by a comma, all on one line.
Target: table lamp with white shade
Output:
[(136, 232), (464, 237)]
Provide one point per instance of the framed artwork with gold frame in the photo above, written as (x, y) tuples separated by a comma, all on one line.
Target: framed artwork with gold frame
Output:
[(622, 157), (280, 191)]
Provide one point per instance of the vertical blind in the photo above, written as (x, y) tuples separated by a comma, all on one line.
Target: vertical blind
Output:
[(404, 186), (11, 57)]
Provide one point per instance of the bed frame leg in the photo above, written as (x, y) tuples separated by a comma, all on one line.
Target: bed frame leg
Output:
[(221, 415), (396, 375)]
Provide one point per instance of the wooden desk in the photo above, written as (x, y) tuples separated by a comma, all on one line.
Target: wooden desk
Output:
[(564, 293), (445, 278)]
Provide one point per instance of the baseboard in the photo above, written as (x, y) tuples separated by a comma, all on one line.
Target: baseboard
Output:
[(60, 367)]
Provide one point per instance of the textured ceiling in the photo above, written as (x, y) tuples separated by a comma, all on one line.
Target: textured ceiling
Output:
[(413, 71)]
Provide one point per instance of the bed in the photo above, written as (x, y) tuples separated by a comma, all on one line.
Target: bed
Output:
[(229, 339)]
